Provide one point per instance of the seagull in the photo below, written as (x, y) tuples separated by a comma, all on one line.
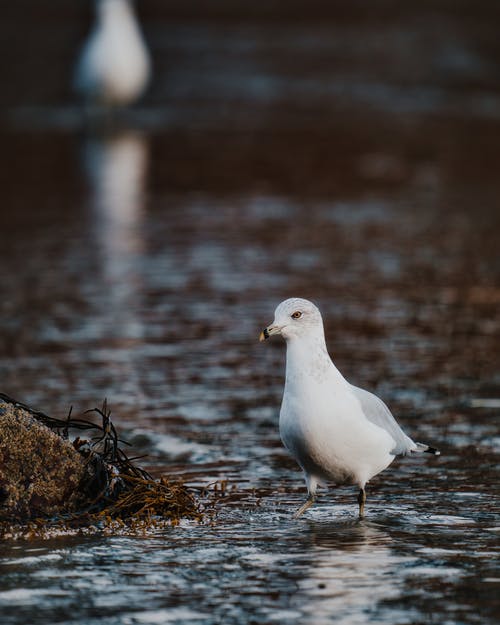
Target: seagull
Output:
[(335, 431), (114, 66)]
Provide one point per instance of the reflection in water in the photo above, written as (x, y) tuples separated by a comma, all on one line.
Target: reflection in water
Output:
[(350, 572), (116, 168), (349, 535)]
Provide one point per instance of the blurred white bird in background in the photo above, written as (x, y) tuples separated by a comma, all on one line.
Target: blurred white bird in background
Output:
[(114, 66)]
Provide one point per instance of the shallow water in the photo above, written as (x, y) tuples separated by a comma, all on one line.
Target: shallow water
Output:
[(141, 266)]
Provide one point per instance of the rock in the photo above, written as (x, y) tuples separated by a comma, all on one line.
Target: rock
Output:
[(40, 472), (44, 476)]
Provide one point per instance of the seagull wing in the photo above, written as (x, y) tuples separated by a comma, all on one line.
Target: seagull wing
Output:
[(377, 412)]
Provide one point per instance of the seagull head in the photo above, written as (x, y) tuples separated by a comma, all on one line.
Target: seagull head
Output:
[(294, 318)]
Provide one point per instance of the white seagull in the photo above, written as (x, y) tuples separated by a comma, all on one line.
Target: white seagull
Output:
[(114, 66), (334, 430)]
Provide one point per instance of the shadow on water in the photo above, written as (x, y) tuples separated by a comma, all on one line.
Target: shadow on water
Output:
[(273, 158)]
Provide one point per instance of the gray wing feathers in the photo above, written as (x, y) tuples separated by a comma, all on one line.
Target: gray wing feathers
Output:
[(377, 412)]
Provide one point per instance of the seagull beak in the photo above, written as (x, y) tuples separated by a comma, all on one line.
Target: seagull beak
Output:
[(269, 331)]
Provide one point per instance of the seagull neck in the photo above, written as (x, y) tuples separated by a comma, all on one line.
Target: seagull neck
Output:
[(310, 354), (115, 12)]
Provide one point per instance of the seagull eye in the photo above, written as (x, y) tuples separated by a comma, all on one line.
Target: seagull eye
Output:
[(297, 315)]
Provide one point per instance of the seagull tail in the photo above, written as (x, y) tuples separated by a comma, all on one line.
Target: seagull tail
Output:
[(427, 449)]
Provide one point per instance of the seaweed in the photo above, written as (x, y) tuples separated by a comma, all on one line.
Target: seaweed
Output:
[(112, 492)]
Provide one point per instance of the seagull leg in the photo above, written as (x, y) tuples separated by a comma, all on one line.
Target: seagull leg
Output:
[(308, 503), (312, 485), (361, 501)]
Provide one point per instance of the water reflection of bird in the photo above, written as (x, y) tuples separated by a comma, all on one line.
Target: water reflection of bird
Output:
[(114, 66), (353, 566), (116, 169), (335, 431), (347, 535)]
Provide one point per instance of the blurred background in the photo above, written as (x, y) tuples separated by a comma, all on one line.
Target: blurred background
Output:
[(346, 152)]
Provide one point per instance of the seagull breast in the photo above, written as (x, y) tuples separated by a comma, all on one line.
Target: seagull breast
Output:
[(322, 422)]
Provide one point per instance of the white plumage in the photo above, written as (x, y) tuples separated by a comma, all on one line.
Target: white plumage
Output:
[(336, 431), (114, 66)]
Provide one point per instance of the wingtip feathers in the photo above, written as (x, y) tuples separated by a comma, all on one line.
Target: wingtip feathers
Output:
[(426, 449)]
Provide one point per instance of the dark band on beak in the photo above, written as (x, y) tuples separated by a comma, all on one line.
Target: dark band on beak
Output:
[(264, 335)]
